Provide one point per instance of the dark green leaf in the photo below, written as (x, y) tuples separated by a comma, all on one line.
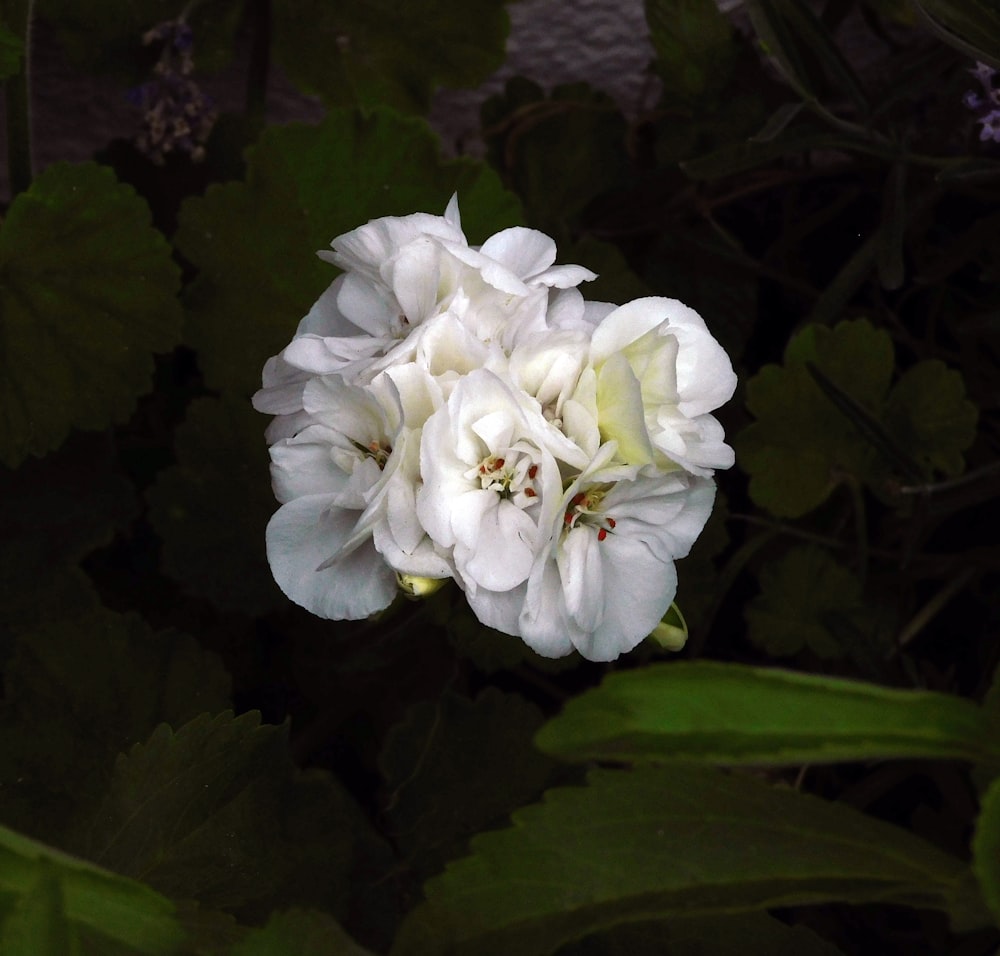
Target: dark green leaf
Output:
[(60, 896), (651, 843), (380, 52), (733, 714), (441, 790), (986, 849), (114, 670), (212, 507), (741, 934), (299, 932), (87, 292), (694, 46), (218, 812), (11, 51), (808, 600), (970, 26), (305, 186)]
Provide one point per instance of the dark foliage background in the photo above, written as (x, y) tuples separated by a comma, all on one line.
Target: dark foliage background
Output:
[(190, 764)]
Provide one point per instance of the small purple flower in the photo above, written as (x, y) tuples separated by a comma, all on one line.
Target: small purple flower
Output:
[(177, 115), (985, 104)]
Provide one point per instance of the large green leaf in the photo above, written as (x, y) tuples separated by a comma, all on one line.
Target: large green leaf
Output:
[(87, 293), (662, 841), (211, 508), (59, 899), (970, 26), (381, 52), (734, 714), (217, 811), (254, 243), (81, 690)]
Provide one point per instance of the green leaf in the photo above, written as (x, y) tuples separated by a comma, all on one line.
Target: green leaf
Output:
[(11, 51), (441, 791), (212, 507), (809, 57), (302, 932), (734, 714), (828, 413), (809, 601), (740, 934), (928, 414), (665, 841), (381, 52), (87, 293), (694, 46), (305, 185), (217, 811), (114, 670), (60, 898), (986, 849), (970, 26)]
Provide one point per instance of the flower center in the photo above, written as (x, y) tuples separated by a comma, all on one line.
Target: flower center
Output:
[(511, 476), (375, 449), (584, 509)]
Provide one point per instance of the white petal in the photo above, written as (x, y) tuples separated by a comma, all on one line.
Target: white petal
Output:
[(525, 252)]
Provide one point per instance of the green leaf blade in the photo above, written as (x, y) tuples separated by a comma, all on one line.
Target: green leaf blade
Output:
[(730, 714), (88, 290), (645, 844)]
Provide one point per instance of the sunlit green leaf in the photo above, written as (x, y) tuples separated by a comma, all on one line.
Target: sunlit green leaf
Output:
[(87, 293), (739, 934), (986, 849), (305, 185), (732, 714), (661, 841), (212, 507), (441, 790), (380, 52), (302, 932), (59, 897)]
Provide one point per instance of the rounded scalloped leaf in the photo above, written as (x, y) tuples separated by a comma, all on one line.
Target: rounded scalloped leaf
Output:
[(88, 290), (211, 508), (254, 242), (804, 596), (383, 52), (801, 439)]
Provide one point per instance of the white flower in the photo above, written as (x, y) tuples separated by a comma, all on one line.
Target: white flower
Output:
[(445, 411), (606, 575)]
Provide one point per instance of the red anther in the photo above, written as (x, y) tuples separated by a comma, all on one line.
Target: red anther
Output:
[(568, 518), (576, 499), (532, 471), (482, 469), (530, 493), (602, 534), (611, 522), (499, 463)]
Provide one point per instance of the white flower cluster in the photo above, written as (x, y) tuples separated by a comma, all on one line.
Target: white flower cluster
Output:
[(446, 411)]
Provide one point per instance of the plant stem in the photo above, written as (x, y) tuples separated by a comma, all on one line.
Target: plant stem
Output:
[(18, 101)]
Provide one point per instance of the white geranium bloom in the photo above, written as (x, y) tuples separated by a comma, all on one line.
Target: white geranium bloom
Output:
[(606, 576), (660, 374), (491, 480)]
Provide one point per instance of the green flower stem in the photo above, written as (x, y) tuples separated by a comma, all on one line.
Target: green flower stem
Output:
[(18, 102)]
